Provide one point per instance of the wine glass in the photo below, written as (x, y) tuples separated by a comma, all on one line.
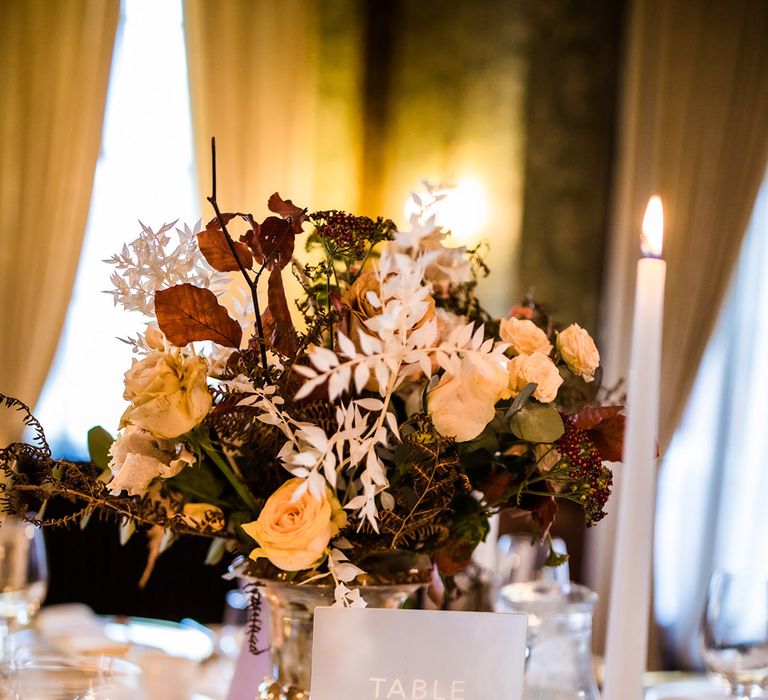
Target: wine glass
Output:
[(23, 574), (734, 632)]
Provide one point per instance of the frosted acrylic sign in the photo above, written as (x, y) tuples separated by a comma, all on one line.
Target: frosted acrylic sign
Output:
[(374, 654)]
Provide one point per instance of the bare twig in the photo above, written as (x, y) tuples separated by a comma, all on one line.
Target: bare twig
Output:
[(252, 283)]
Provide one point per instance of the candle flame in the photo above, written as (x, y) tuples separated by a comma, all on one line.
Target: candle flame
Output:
[(653, 228)]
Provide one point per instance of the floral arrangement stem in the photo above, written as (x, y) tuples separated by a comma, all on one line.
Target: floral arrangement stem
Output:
[(226, 470)]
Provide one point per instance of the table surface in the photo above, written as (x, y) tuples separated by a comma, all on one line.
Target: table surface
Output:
[(192, 672)]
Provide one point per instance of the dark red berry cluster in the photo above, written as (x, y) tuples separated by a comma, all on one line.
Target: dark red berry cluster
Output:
[(351, 235), (589, 481)]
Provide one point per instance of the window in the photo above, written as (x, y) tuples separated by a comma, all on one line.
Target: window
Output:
[(145, 170), (714, 482)]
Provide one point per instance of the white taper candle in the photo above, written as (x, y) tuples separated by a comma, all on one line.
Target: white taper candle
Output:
[(630, 602)]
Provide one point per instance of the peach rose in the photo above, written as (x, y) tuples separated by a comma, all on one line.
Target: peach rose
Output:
[(578, 351), (294, 533), (168, 392), (524, 337), (357, 296), (538, 369)]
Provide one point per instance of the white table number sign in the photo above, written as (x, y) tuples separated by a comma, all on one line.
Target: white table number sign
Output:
[(374, 654)]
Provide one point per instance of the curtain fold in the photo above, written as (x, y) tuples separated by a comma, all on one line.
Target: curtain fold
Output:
[(282, 104), (695, 130), (54, 67)]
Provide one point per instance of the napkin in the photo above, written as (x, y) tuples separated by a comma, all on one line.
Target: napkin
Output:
[(73, 628)]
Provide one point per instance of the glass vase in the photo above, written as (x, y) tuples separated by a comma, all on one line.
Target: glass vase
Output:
[(559, 655), (292, 609)]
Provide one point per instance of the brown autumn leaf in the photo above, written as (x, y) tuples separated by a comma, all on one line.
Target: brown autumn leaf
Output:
[(276, 240), (496, 484), (288, 210), (186, 313), (267, 322), (605, 427), (214, 247), (283, 338), (608, 438), (225, 217), (452, 558), (251, 239), (545, 515), (591, 416)]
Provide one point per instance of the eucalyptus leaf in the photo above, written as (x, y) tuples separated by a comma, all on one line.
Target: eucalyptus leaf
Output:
[(521, 399), (99, 442), (537, 422)]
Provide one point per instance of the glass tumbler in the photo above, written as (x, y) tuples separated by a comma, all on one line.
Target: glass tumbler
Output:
[(559, 641)]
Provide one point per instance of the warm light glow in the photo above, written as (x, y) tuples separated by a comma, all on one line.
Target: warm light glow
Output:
[(464, 210), (653, 228)]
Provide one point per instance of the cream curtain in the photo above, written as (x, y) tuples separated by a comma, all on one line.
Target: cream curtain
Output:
[(283, 106), (695, 130), (54, 67)]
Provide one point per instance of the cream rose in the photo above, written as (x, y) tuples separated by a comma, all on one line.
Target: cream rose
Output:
[(294, 533), (168, 393), (538, 369), (137, 458), (524, 337), (461, 406), (578, 351)]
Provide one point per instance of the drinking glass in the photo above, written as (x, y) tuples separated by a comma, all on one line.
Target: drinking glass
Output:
[(734, 632), (23, 574), (73, 678)]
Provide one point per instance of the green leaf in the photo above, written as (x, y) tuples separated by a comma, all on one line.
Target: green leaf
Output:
[(537, 422), (236, 520), (199, 481), (555, 558), (476, 458), (99, 442), (521, 399)]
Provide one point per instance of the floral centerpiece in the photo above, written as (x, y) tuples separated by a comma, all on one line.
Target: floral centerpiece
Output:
[(383, 410)]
